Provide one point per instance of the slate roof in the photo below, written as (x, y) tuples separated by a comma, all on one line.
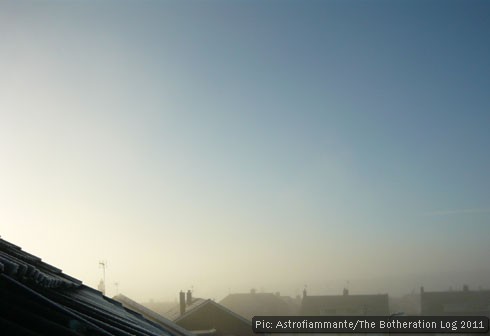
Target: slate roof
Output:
[(366, 305), (39, 299)]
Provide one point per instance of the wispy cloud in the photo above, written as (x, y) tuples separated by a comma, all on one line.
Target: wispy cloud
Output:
[(457, 212)]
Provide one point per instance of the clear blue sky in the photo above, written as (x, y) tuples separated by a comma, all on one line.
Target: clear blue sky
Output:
[(205, 142)]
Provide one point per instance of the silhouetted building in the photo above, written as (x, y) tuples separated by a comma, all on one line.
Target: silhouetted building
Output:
[(253, 304), (455, 303), (207, 314), (345, 305), (200, 314), (38, 299), (146, 312)]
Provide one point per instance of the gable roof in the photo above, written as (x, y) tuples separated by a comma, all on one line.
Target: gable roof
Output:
[(174, 312), (198, 304), (207, 314), (200, 313), (39, 299), (201, 304), (345, 305)]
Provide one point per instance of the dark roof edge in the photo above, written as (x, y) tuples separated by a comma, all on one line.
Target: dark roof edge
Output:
[(219, 306), (150, 314)]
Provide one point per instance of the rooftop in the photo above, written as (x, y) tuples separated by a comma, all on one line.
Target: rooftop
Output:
[(39, 299)]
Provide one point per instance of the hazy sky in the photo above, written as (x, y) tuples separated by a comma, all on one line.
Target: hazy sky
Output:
[(227, 145)]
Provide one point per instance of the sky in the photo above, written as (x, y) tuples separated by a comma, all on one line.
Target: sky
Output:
[(221, 146)]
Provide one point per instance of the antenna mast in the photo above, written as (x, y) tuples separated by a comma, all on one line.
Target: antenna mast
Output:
[(103, 265)]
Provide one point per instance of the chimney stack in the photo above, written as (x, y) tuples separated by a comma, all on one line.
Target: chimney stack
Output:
[(189, 297), (182, 302), (345, 292)]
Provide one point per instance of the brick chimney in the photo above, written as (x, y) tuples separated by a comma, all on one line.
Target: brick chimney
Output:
[(182, 302)]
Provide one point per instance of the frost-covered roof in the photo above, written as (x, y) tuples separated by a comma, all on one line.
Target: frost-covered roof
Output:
[(39, 299)]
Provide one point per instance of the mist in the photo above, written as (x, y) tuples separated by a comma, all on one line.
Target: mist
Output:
[(221, 147)]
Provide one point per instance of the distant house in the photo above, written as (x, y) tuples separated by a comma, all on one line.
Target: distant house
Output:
[(39, 299), (345, 305), (196, 314), (253, 304), (455, 303)]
